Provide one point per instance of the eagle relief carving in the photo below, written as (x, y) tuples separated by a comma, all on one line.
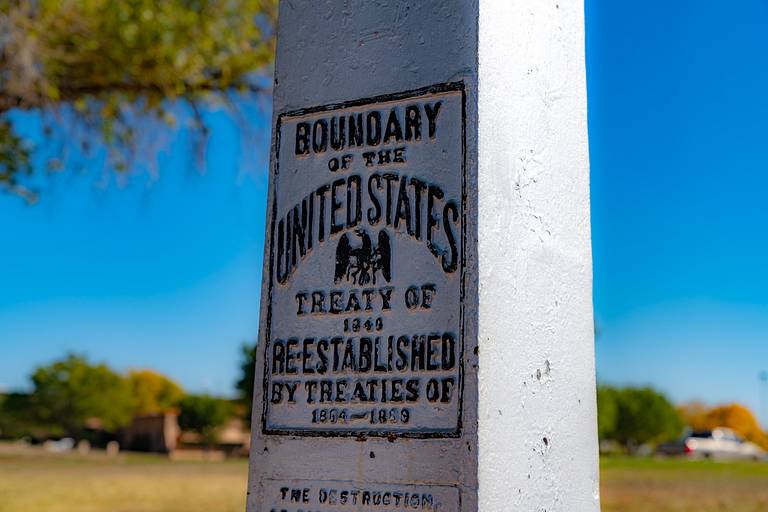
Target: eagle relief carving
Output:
[(358, 261)]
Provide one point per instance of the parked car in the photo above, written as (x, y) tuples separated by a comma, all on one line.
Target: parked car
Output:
[(718, 443)]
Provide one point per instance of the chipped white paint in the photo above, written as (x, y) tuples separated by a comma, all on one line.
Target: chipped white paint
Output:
[(527, 245), (537, 434)]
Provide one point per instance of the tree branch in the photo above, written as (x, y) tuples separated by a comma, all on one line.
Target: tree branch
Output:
[(74, 92)]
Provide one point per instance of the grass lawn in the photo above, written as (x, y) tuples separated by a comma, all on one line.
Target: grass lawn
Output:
[(640, 485), (32, 480)]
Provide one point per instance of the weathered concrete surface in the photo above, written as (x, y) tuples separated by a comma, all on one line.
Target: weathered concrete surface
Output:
[(331, 52), (537, 433)]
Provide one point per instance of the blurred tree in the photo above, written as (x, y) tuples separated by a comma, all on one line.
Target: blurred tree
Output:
[(110, 65), (71, 391), (16, 420), (153, 392), (245, 384), (736, 417), (693, 414), (645, 416), (204, 415), (607, 412)]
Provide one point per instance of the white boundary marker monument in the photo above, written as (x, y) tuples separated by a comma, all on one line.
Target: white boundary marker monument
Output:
[(426, 322)]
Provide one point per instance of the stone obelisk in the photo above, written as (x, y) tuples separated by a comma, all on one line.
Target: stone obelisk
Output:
[(426, 318)]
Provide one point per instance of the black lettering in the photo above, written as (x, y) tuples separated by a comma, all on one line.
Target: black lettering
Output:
[(412, 122), (318, 302), (447, 385), (341, 385), (364, 364), (432, 365), (373, 128), (277, 393), (417, 352), (300, 298), (282, 263), (367, 295), (336, 342), (278, 357), (306, 356), (374, 212), (290, 356), (325, 390), (389, 178), (393, 128), (434, 192), (322, 355), (450, 214), (353, 303), (320, 144), (386, 297), (336, 206), (401, 363), (418, 187), (310, 387), (359, 392), (396, 393), (320, 192), (377, 349), (349, 356), (427, 294), (433, 390), (299, 230), (302, 139), (336, 304), (358, 201), (403, 210), (356, 130), (412, 390), (432, 112), (338, 138), (310, 219), (290, 387)]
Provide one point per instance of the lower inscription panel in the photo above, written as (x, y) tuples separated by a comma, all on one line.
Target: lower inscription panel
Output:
[(337, 495)]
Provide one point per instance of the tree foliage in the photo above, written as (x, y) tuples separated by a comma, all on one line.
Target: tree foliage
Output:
[(15, 418), (692, 413), (607, 411), (204, 415), (153, 392), (71, 391), (108, 65), (245, 384), (635, 416)]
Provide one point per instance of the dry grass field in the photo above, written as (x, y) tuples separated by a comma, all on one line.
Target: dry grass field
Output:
[(40, 482), (645, 485), (32, 480)]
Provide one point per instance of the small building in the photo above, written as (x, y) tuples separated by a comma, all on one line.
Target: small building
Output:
[(160, 433), (156, 433)]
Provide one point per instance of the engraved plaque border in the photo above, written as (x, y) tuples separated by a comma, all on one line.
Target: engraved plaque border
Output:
[(362, 484), (457, 86)]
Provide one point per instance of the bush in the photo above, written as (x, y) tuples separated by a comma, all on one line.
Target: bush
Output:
[(154, 392), (636, 416), (204, 414), (70, 391)]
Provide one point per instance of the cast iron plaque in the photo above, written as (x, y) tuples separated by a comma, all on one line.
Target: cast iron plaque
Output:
[(364, 331)]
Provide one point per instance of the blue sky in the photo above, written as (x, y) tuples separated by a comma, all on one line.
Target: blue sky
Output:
[(165, 273)]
